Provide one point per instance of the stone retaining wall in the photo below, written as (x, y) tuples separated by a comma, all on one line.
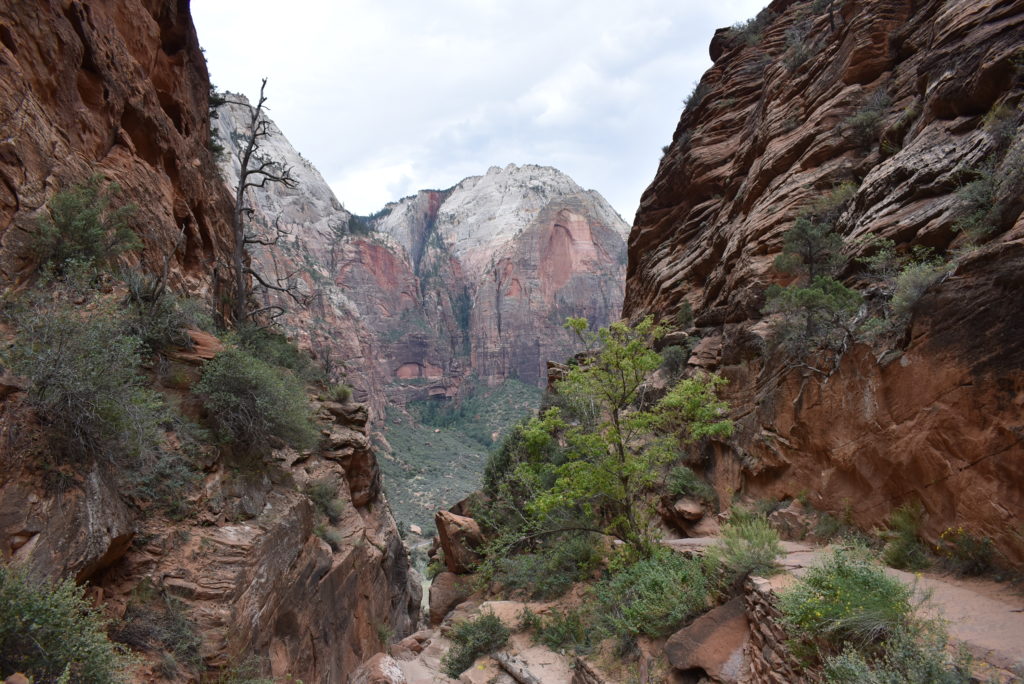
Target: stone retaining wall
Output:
[(769, 657)]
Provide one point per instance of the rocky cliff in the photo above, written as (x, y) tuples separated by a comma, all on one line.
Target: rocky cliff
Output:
[(908, 102), (516, 251), (475, 280), (119, 89)]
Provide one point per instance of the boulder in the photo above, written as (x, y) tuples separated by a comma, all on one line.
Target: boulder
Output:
[(447, 591), (379, 669), (714, 642), (689, 508), (794, 522), (460, 537), (202, 347)]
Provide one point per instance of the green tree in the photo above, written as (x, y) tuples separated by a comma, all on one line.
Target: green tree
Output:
[(51, 633), (813, 317), (811, 247), (615, 453), (84, 225)]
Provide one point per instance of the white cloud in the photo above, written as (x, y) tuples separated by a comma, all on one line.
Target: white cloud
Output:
[(389, 97)]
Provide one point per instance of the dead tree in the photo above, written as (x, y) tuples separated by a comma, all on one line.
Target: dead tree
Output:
[(257, 171)]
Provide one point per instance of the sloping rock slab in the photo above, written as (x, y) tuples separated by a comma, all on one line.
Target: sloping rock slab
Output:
[(714, 642)]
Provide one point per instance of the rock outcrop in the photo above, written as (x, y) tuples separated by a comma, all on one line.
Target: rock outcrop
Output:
[(119, 89), (908, 101)]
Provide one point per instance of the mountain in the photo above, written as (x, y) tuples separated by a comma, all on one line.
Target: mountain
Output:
[(907, 112), (442, 291)]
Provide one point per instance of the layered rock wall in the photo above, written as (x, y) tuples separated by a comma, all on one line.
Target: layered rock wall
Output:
[(119, 89), (908, 101)]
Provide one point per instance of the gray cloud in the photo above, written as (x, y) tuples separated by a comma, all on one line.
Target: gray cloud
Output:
[(389, 97)]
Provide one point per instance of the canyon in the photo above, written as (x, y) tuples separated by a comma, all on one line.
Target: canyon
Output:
[(899, 107)]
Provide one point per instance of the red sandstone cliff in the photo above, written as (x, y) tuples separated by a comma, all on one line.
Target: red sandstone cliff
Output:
[(935, 415), (121, 88)]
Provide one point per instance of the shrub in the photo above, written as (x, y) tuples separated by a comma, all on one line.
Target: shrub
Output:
[(911, 284), (864, 124), (472, 639), (84, 381), (331, 535), (696, 96), (82, 225), (751, 31), (965, 553), (684, 316), (845, 599), (673, 359), (251, 401), (910, 656), (158, 318), (682, 481), (274, 349), (904, 549), (748, 545), (50, 632), (323, 493), (560, 631), (152, 623), (653, 596), (814, 317), (340, 393), (549, 572)]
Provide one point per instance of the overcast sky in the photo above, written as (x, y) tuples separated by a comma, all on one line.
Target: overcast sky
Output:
[(387, 97)]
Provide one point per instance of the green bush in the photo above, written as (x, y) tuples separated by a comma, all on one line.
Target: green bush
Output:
[(865, 123), (654, 596), (331, 535), (684, 316), (673, 359), (814, 317), (751, 31), (250, 401), (748, 546), (845, 599), (82, 225), (274, 349), (560, 631), (965, 553), (472, 639), (916, 655), (155, 623), (340, 393), (84, 381), (682, 481), (50, 632), (161, 318), (324, 494), (904, 549), (911, 284), (549, 572)]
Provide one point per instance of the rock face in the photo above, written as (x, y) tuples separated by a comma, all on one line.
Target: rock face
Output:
[(517, 250), (121, 89), (473, 280), (118, 89), (936, 415)]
